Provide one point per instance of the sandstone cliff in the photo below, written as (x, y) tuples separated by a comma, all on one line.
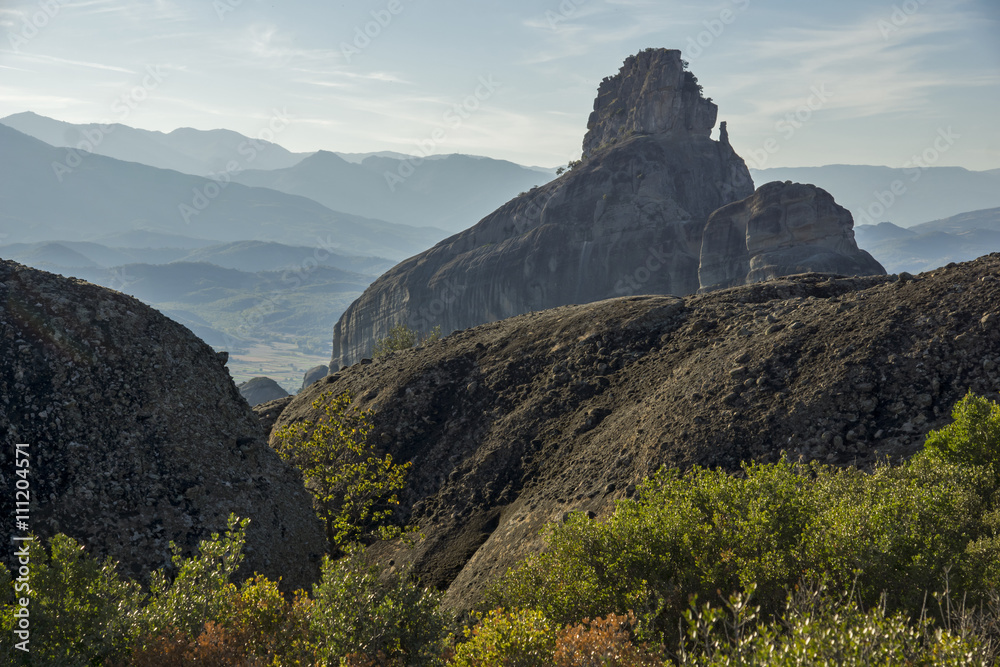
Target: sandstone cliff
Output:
[(628, 220), (509, 425), (782, 229), (137, 435)]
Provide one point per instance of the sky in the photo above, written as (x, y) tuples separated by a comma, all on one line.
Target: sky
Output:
[(799, 83)]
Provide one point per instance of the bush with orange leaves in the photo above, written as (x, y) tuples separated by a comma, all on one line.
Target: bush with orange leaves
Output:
[(603, 642)]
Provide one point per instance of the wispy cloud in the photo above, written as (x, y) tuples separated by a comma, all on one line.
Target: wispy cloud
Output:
[(64, 61)]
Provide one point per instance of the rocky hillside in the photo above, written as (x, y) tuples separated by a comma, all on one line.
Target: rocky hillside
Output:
[(627, 220), (512, 424), (137, 435)]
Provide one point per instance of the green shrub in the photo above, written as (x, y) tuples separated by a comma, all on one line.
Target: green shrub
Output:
[(519, 638), (402, 337), (818, 629), (201, 591), (973, 438), (358, 610), (81, 611), (707, 533)]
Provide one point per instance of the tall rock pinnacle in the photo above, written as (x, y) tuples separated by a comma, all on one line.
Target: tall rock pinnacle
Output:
[(652, 94), (627, 220)]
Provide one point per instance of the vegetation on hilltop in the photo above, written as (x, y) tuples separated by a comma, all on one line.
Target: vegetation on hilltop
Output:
[(780, 564)]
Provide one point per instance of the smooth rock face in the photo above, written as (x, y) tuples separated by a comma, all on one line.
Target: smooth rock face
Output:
[(628, 220), (137, 435), (313, 374), (260, 390), (782, 229)]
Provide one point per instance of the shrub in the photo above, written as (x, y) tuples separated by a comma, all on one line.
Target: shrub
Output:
[(81, 611), (819, 629), (603, 642), (519, 638), (974, 436), (358, 610), (354, 491), (402, 337), (201, 591), (707, 533)]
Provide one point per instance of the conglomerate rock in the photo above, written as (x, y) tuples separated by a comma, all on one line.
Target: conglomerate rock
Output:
[(512, 424), (136, 433)]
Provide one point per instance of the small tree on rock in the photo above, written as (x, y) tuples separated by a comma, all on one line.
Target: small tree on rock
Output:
[(354, 490)]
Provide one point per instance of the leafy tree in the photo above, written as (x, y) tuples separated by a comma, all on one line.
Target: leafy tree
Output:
[(402, 337), (354, 490)]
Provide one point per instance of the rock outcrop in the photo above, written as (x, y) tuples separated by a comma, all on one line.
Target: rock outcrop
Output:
[(315, 373), (628, 219), (260, 390), (509, 425), (781, 229), (136, 433)]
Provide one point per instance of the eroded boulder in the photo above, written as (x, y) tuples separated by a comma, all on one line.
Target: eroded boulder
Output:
[(136, 433), (782, 229)]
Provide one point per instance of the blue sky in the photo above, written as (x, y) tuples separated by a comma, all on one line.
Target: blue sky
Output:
[(800, 83)]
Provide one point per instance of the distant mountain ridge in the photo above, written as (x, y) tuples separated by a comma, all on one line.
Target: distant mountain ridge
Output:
[(42, 198), (187, 150), (450, 192), (934, 244)]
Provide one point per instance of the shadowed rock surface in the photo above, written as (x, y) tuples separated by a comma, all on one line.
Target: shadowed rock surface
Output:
[(509, 425), (628, 220), (780, 230), (137, 435), (260, 390)]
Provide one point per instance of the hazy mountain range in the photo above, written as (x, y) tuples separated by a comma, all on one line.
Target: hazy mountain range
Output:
[(277, 248), (933, 244), (44, 197), (450, 192)]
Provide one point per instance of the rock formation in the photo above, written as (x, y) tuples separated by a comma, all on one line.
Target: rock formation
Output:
[(627, 220), (260, 390), (782, 229), (136, 433), (509, 425), (313, 374)]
